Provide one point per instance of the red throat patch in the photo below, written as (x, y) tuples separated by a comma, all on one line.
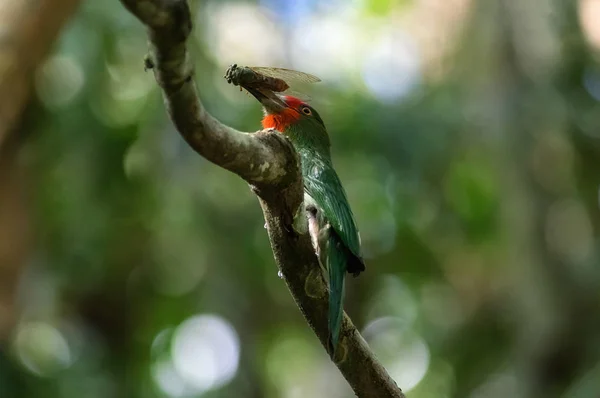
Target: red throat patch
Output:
[(280, 121)]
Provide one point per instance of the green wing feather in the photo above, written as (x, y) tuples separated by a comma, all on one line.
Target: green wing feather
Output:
[(322, 183)]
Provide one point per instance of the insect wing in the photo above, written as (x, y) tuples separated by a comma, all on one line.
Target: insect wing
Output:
[(300, 96), (289, 75)]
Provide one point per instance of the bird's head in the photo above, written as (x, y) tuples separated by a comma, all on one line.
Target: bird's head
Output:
[(284, 111), (296, 119), (293, 112)]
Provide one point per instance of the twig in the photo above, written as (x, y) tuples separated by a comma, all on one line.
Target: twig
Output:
[(268, 162)]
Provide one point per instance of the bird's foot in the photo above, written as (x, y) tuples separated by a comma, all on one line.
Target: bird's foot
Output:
[(300, 223)]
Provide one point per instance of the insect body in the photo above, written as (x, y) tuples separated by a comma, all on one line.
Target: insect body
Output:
[(266, 78)]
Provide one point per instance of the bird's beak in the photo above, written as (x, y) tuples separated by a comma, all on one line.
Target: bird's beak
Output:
[(272, 102)]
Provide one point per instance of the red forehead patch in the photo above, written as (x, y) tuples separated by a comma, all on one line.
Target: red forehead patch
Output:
[(293, 102)]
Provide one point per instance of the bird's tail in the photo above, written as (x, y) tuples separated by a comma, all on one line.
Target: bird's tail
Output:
[(336, 265)]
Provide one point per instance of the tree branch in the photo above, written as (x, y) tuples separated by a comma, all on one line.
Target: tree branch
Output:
[(268, 162), (249, 156)]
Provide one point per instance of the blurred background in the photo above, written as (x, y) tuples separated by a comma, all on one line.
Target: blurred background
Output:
[(466, 133)]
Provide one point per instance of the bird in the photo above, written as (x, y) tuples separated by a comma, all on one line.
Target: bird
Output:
[(331, 224)]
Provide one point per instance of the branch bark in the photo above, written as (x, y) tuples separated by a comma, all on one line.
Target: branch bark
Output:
[(268, 162)]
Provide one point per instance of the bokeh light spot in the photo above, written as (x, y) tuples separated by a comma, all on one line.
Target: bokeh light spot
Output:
[(393, 298), (168, 380), (42, 348), (328, 46), (289, 359), (59, 80), (589, 14), (298, 368), (392, 67), (241, 33), (591, 82), (205, 352), (404, 354)]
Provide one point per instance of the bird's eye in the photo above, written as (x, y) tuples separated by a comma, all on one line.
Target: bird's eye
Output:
[(306, 110)]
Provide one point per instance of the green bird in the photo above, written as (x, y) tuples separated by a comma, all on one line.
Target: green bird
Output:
[(331, 224)]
